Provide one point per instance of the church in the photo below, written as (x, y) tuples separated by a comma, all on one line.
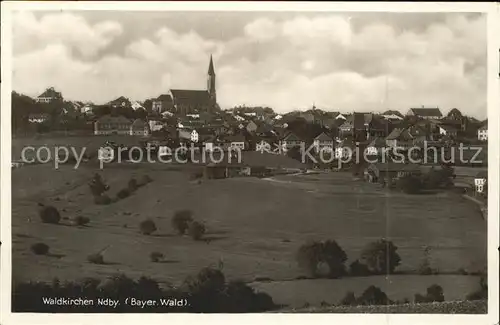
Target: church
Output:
[(188, 101)]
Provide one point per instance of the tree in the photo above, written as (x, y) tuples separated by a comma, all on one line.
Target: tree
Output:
[(147, 227), (322, 259), (97, 186), (373, 296), (181, 220), (49, 214), (381, 257), (196, 230)]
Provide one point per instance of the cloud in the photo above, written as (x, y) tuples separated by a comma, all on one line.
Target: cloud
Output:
[(335, 61), (65, 28)]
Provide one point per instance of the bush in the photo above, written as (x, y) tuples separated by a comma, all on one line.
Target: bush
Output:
[(482, 293), (322, 259), (40, 249), (81, 221), (97, 186), (49, 214), (145, 179), (102, 200), (156, 257), (434, 294), (181, 221), (349, 299), (196, 230), (123, 193), (381, 257), (358, 269), (132, 185), (374, 296), (147, 227), (96, 258), (409, 184)]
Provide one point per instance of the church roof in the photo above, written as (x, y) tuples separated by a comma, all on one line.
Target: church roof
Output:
[(431, 112), (190, 97), (211, 71)]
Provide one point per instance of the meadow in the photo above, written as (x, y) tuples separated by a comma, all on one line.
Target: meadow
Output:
[(254, 228)]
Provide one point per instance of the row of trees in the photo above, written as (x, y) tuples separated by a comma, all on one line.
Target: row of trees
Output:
[(327, 259)]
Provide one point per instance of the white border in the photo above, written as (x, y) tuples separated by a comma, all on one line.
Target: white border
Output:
[(493, 22)]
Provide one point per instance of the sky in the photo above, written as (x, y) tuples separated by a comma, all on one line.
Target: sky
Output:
[(285, 60)]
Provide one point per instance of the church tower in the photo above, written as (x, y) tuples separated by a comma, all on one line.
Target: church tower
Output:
[(211, 80)]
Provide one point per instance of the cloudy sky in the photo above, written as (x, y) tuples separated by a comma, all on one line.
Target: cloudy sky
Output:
[(339, 62)]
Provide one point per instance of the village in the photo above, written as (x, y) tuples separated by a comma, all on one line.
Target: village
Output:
[(251, 212)]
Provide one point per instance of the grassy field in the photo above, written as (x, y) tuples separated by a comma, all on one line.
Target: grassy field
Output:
[(254, 225)]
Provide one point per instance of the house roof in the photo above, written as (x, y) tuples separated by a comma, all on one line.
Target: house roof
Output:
[(393, 112), (448, 128), (378, 142), (359, 120), (120, 100), (436, 112), (51, 92), (292, 137), (395, 134), (482, 174), (323, 137), (484, 125), (120, 119), (190, 97), (164, 98)]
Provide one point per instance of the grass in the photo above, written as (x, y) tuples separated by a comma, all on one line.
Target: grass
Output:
[(447, 307), (256, 224)]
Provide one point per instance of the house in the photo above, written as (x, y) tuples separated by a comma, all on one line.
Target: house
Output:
[(290, 141), (189, 135), (236, 141), (448, 130), (136, 106), (140, 127), (108, 124), (49, 95), (323, 142), (251, 127), (389, 172), (155, 125), (482, 132), (399, 137), (340, 117), (376, 146), (162, 103), (38, 118), (425, 113), (120, 102), (481, 182), (392, 115)]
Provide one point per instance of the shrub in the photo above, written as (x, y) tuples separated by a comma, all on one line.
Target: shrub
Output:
[(181, 221), (373, 296), (145, 179), (434, 293), (208, 280), (156, 257), (196, 230), (482, 293), (123, 193), (381, 257), (358, 269), (409, 184), (97, 186), (147, 227), (322, 259), (102, 199), (349, 299), (49, 214), (81, 221), (96, 258), (40, 249), (132, 185)]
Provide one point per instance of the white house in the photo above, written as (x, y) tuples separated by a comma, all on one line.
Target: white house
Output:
[(482, 132), (323, 143), (136, 106), (239, 118), (480, 181), (191, 135), (38, 118), (155, 125), (340, 116)]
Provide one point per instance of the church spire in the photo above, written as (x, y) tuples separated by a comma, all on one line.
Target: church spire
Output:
[(211, 71)]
